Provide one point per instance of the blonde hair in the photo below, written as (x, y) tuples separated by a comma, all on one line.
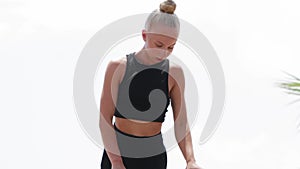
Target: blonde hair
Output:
[(165, 15)]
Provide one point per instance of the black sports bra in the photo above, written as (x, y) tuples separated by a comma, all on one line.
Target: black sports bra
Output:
[(143, 93)]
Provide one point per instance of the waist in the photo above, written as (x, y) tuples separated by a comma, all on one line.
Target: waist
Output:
[(134, 136), (138, 128)]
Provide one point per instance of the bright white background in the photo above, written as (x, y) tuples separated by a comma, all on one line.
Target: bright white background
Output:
[(40, 42)]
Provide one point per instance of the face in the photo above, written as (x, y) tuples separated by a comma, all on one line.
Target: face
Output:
[(159, 43)]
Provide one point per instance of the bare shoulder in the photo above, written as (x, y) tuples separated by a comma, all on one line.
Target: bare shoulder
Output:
[(121, 61), (117, 67), (174, 67), (176, 73)]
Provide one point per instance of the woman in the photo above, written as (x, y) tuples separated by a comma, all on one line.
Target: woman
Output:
[(129, 82)]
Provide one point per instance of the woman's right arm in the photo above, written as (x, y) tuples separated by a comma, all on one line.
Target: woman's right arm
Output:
[(107, 108)]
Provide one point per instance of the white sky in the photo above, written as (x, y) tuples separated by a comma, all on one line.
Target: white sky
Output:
[(40, 42)]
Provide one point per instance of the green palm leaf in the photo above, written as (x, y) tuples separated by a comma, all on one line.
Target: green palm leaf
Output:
[(292, 86)]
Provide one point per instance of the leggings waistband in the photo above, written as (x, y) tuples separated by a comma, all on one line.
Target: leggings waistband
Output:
[(139, 146)]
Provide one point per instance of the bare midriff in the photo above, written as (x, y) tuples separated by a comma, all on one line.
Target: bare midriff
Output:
[(138, 127)]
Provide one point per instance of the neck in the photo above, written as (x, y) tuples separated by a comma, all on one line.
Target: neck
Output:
[(143, 57)]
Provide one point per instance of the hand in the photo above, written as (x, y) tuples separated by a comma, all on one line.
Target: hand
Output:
[(118, 165), (192, 165)]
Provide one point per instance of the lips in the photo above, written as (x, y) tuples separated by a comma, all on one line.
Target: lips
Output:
[(159, 59)]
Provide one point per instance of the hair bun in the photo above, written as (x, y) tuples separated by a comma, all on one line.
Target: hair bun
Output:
[(168, 6)]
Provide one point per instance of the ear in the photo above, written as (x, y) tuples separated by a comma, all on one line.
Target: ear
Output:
[(144, 34)]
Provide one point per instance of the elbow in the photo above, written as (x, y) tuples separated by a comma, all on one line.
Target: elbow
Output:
[(180, 131), (180, 123), (104, 120)]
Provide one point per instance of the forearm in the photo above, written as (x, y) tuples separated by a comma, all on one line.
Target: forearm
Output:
[(109, 140), (184, 139)]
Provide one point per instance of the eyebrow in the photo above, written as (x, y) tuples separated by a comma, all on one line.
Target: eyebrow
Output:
[(162, 43)]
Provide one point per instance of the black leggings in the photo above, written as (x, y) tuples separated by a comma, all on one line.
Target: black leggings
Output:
[(158, 161)]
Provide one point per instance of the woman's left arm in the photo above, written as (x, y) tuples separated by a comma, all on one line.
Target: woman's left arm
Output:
[(182, 130)]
